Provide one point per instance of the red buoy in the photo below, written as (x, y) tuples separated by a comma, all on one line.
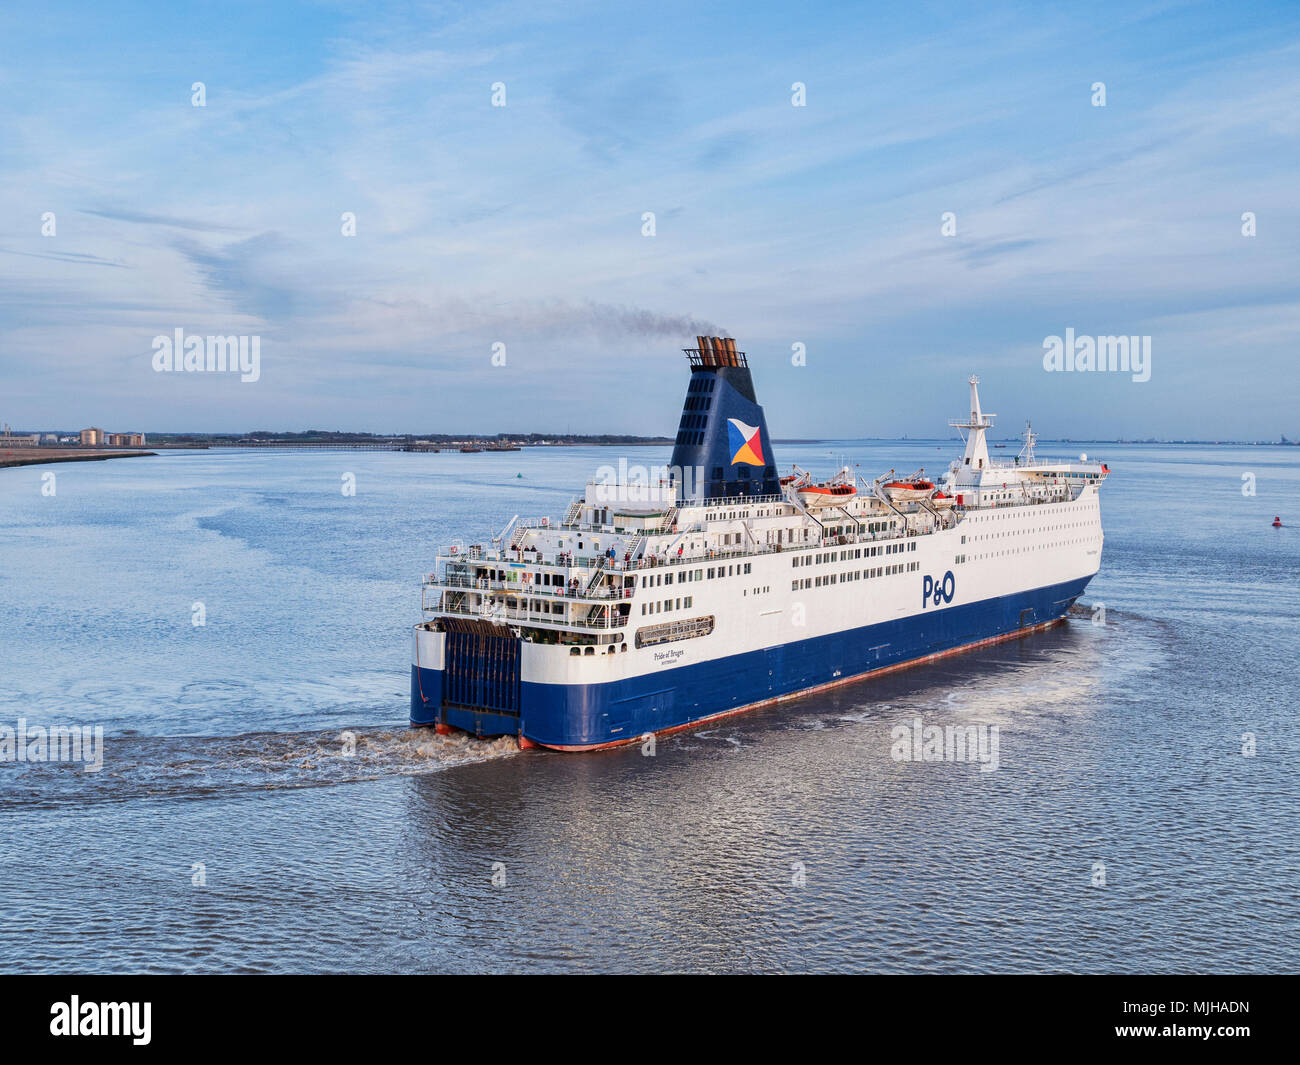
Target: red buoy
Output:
[(1277, 522)]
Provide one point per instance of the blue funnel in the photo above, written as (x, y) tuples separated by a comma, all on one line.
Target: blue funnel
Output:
[(723, 449)]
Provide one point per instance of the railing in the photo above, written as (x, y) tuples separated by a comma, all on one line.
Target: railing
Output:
[(668, 632), (474, 551), (463, 609), (732, 501), (484, 584)]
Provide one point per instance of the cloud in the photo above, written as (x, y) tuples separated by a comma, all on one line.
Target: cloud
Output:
[(147, 219), (238, 272), (725, 149), (616, 113), (83, 258), (982, 253), (522, 224)]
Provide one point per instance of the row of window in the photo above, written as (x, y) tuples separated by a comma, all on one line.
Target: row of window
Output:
[(822, 557), (737, 515), (657, 607), (538, 606), (656, 580), (854, 575)]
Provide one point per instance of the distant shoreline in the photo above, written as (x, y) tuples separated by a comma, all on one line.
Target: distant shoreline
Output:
[(40, 456), (18, 457)]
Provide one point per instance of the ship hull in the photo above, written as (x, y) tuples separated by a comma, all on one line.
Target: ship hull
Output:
[(584, 717)]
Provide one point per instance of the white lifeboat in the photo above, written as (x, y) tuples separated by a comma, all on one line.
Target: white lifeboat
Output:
[(909, 488)]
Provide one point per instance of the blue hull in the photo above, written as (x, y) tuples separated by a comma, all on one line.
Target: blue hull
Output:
[(595, 715)]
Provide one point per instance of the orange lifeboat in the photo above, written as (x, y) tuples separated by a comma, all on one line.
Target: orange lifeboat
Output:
[(821, 495), (837, 491)]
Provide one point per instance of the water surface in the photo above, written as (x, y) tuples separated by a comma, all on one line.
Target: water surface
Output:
[(786, 839)]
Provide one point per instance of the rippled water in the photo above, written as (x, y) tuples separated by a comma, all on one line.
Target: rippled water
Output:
[(226, 759)]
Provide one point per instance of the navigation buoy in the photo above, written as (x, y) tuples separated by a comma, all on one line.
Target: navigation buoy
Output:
[(1277, 522)]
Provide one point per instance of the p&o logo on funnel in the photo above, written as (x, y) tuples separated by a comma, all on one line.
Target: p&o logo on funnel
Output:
[(746, 446)]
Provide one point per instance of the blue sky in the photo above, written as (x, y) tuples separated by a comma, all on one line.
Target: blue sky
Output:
[(775, 224)]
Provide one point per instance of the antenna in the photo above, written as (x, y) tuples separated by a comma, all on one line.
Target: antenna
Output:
[(1027, 452)]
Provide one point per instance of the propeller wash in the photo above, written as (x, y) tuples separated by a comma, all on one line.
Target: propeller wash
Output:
[(651, 608)]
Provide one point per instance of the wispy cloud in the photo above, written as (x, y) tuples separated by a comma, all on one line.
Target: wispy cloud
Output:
[(148, 219), (523, 224), (65, 257)]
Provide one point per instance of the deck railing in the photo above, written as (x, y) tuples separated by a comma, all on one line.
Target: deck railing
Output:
[(528, 617), (484, 584)]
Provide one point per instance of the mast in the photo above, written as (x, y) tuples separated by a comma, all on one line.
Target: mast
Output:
[(976, 456), (1027, 452)]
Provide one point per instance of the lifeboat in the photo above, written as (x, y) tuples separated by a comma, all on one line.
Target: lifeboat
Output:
[(913, 489), (940, 501), (812, 494), (827, 494)]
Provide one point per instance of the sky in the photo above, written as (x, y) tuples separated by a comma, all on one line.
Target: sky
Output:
[(523, 225)]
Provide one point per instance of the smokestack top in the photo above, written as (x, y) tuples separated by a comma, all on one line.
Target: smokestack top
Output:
[(715, 351)]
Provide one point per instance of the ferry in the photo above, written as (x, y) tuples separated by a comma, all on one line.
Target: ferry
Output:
[(716, 586)]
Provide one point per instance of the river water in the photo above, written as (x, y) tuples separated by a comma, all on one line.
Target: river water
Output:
[(262, 805)]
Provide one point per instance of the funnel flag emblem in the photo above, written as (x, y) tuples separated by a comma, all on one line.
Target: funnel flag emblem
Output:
[(746, 446)]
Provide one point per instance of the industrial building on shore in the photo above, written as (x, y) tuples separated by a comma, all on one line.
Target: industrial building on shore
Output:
[(99, 438), (87, 438)]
